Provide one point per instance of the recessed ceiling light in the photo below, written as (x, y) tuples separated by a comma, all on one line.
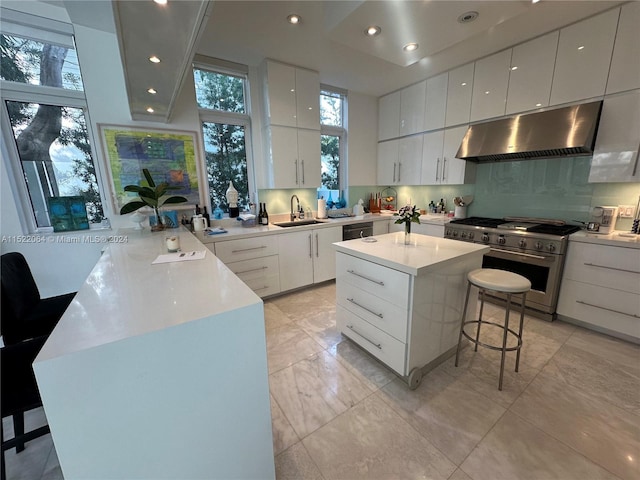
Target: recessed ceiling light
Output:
[(464, 84), (373, 30), (294, 19), (468, 17), (538, 104), (161, 2), (581, 47), (514, 68), (152, 91), (535, 1), (410, 47), (154, 59), (487, 92), (150, 110)]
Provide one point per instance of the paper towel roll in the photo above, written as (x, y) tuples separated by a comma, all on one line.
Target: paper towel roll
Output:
[(322, 208)]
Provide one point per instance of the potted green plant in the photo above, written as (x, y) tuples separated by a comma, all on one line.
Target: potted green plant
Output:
[(153, 196)]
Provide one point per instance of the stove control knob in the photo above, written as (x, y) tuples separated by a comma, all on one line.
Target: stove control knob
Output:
[(485, 237), (551, 247), (471, 235), (463, 235), (502, 240), (522, 243), (455, 233), (538, 245), (447, 233)]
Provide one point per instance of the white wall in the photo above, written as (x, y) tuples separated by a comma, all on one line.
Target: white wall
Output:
[(362, 141)]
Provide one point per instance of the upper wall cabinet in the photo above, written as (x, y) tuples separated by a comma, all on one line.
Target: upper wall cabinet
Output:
[(531, 74), (399, 161), (412, 101), (490, 83), (389, 116), (584, 56), (435, 107), (459, 90), (292, 96), (615, 157), (625, 63)]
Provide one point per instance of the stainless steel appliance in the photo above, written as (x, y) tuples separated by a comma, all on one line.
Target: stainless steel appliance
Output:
[(533, 248), (357, 230)]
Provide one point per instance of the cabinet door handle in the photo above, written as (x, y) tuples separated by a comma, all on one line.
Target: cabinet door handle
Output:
[(365, 308), (317, 247), (302, 163), (394, 172), (437, 168), (248, 249), (352, 272), (444, 166), (611, 268), (252, 270), (296, 167), (310, 247), (608, 309), (399, 168), (377, 345)]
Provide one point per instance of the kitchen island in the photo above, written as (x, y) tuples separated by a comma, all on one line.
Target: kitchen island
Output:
[(159, 370), (403, 303)]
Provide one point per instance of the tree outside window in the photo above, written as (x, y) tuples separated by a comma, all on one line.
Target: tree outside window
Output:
[(332, 139)]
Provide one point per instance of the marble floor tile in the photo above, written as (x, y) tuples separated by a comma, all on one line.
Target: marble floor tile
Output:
[(516, 449), (445, 411), (362, 365), (459, 475), (274, 317), (299, 304), (30, 463), (327, 290), (303, 392), (296, 464), (283, 434), (556, 330), (611, 349), (287, 345), (371, 441), (52, 470), (597, 376), (321, 326), (605, 434)]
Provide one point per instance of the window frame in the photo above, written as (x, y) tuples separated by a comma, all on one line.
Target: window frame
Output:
[(39, 94), (341, 133)]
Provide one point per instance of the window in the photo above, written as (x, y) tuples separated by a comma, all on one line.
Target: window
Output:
[(332, 144), (221, 97), (42, 94)]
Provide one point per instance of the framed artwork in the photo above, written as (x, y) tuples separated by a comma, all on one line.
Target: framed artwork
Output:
[(170, 156), (68, 213)]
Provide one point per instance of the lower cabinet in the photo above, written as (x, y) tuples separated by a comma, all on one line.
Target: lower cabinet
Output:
[(381, 227), (307, 257), (421, 228), (601, 287)]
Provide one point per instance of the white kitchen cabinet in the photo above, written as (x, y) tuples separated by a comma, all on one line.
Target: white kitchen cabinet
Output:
[(294, 158), (412, 103), (625, 62), (490, 84), (430, 229), (399, 161), (583, 59), (615, 157), (389, 116), (292, 96), (432, 160), (532, 65), (601, 287), (381, 227), (459, 92), (435, 108), (439, 163), (304, 256)]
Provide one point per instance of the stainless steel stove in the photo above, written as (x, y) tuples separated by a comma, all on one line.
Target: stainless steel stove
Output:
[(533, 248)]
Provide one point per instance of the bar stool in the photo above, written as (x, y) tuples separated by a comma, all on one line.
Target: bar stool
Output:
[(500, 281)]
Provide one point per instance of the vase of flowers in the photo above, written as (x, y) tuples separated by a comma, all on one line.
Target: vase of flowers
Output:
[(408, 215), (154, 196)]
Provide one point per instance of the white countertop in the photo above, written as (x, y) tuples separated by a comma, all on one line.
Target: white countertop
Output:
[(425, 252), (617, 238), (125, 295)]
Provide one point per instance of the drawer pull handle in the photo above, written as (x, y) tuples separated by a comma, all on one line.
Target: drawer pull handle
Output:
[(608, 309), (248, 249), (377, 345), (365, 277), (365, 308), (611, 268), (252, 270)]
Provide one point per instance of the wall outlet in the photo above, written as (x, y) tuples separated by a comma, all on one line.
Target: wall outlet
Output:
[(626, 211)]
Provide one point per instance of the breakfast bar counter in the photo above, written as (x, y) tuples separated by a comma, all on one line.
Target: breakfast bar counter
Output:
[(159, 370)]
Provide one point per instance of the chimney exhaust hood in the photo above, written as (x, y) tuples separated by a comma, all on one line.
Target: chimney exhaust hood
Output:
[(562, 132)]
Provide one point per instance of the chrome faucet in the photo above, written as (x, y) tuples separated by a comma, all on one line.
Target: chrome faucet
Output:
[(294, 212)]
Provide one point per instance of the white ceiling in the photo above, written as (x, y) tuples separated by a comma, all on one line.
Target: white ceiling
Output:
[(330, 38)]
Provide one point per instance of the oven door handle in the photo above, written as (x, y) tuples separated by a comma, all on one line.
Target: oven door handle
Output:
[(528, 255)]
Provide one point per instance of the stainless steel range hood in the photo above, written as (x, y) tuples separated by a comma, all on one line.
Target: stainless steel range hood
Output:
[(567, 131)]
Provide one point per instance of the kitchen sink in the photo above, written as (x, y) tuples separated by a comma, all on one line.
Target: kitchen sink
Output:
[(299, 223)]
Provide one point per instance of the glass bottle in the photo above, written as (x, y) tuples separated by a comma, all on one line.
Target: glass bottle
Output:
[(265, 215)]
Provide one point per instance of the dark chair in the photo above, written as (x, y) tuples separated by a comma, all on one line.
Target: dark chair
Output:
[(24, 314), (19, 392)]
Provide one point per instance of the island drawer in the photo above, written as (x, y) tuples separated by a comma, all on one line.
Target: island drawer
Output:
[(382, 314), (384, 347), (383, 282), (246, 248)]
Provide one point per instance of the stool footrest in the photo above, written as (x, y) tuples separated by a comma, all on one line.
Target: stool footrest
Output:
[(492, 347)]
